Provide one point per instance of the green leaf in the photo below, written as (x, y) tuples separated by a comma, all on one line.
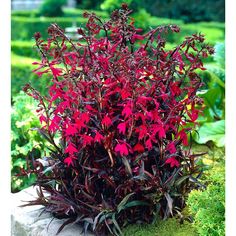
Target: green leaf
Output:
[(213, 131), (123, 202), (135, 203), (211, 96), (117, 225)]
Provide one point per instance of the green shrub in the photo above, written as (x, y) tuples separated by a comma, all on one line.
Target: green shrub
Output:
[(24, 48), (52, 8), (189, 11), (23, 139), (23, 28), (208, 206), (213, 122), (89, 4), (68, 12), (25, 13), (21, 73)]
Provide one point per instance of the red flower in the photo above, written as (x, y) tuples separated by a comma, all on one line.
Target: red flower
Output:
[(183, 136), (56, 71), (122, 149), (85, 117), (87, 140), (172, 162), (69, 160), (71, 148), (71, 130), (122, 127), (171, 148), (142, 130), (138, 147), (148, 144), (106, 121), (126, 111), (98, 137)]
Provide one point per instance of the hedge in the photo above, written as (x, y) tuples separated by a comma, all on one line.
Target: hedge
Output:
[(21, 73), (68, 12), (24, 48), (23, 28)]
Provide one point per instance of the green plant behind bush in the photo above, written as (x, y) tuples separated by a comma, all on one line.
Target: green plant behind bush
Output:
[(23, 139), (189, 11), (208, 207), (23, 28), (52, 8), (24, 48), (21, 73), (213, 122)]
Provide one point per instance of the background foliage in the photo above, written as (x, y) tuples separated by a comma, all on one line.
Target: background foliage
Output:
[(24, 140), (206, 17), (52, 8), (188, 11), (212, 123), (208, 206)]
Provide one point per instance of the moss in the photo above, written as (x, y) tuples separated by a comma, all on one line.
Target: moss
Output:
[(208, 206), (170, 227)]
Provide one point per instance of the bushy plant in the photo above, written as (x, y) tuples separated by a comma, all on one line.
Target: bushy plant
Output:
[(52, 8), (208, 206), (122, 114), (24, 140)]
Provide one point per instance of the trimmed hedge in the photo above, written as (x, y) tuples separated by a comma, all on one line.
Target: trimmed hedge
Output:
[(23, 28), (21, 73), (24, 48), (52, 8), (68, 12)]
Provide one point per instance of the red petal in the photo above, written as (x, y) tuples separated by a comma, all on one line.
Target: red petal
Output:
[(172, 161), (138, 147), (98, 137), (71, 130), (148, 144), (106, 121), (122, 149), (171, 148), (71, 148), (69, 160), (122, 127)]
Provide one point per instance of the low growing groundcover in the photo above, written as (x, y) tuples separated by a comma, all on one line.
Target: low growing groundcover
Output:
[(170, 227)]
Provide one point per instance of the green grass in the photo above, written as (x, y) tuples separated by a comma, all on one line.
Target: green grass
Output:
[(170, 227)]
